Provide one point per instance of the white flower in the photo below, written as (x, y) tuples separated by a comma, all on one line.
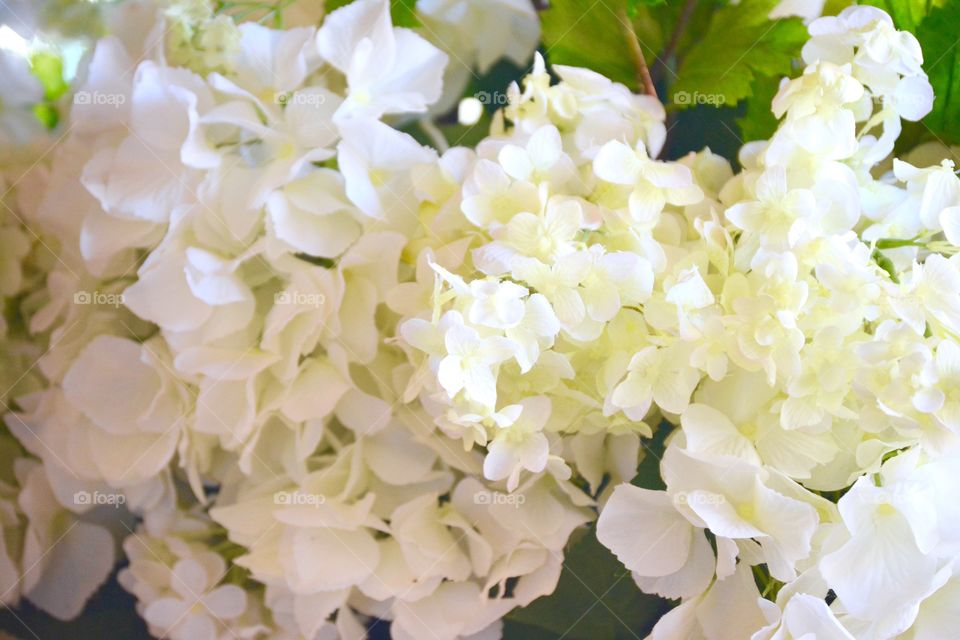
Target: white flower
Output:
[(882, 551), (490, 196), (816, 104), (152, 170), (198, 608), (930, 191), (541, 160), (388, 70), (803, 616), (735, 499), (655, 184), (535, 332), (312, 215), (375, 160), (940, 394), (547, 235), (520, 445), (21, 91), (496, 304), (478, 28), (652, 539), (269, 63), (655, 374), (930, 292), (781, 217), (64, 560), (84, 427), (470, 361)]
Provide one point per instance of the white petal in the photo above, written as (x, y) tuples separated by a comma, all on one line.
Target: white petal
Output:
[(617, 163), (347, 558), (74, 568), (645, 531)]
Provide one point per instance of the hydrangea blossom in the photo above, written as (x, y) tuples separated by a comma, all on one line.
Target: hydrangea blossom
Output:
[(340, 376)]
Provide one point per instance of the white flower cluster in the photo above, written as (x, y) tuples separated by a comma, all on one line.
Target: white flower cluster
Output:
[(230, 216), (829, 300), (798, 321), (33, 516), (342, 377)]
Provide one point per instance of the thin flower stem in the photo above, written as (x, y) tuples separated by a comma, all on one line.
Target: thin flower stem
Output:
[(644, 81)]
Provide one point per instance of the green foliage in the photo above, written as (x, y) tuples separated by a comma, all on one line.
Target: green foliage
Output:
[(758, 121), (906, 14), (403, 12), (833, 7), (596, 598), (941, 58), (581, 35), (633, 6), (740, 47), (702, 53)]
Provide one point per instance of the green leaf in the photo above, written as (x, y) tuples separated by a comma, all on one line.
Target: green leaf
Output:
[(329, 6), (941, 60), (833, 7), (758, 121), (581, 35), (596, 598), (906, 14), (740, 46), (402, 12), (648, 472), (633, 6)]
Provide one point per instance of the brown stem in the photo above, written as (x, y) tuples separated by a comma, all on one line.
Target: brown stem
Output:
[(689, 6), (644, 81)]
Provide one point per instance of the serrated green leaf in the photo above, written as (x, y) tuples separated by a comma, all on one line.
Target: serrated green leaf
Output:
[(581, 35), (941, 60), (740, 46)]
